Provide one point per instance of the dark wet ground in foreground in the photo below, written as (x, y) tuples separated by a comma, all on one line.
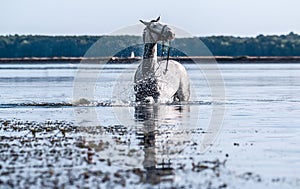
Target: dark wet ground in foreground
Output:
[(58, 154)]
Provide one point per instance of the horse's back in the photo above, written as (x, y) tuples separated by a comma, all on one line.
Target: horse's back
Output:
[(173, 79)]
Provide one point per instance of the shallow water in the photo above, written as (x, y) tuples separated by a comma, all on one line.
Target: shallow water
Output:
[(153, 146)]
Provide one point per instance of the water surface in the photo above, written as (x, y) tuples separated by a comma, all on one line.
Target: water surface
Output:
[(153, 146)]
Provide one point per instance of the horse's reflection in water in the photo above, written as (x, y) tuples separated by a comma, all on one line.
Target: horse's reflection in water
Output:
[(157, 171)]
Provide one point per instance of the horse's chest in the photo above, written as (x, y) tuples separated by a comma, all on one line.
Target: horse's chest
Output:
[(147, 87)]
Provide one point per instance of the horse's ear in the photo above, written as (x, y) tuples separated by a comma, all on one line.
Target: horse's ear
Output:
[(157, 19), (144, 22)]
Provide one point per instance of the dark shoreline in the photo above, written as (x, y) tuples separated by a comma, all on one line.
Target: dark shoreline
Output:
[(190, 59)]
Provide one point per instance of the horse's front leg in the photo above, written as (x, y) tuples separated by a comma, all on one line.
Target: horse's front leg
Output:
[(139, 95)]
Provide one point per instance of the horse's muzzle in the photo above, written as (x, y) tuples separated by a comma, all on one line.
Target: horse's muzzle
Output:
[(170, 35)]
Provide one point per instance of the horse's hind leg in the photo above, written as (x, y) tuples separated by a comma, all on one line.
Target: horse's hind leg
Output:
[(183, 93)]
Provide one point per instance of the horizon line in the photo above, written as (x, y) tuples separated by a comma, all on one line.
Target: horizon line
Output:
[(94, 34)]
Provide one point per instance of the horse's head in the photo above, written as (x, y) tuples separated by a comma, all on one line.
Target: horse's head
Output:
[(156, 31)]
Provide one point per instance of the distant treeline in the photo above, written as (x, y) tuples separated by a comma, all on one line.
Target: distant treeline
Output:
[(13, 46)]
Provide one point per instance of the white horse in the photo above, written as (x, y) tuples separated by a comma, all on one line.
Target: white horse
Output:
[(164, 81)]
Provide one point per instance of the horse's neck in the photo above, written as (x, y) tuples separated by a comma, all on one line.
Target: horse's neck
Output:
[(149, 58)]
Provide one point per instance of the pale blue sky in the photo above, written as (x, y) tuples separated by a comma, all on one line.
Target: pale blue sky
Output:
[(198, 17)]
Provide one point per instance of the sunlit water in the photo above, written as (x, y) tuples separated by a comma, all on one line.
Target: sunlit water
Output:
[(260, 132)]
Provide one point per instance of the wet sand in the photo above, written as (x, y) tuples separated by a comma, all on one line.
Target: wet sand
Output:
[(58, 154)]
